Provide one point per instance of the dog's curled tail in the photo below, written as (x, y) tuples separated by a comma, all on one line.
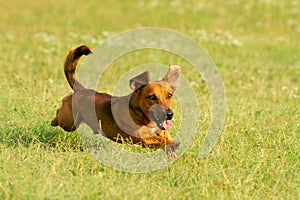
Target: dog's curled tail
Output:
[(70, 65)]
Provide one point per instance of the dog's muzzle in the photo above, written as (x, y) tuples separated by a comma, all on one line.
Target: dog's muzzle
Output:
[(161, 117)]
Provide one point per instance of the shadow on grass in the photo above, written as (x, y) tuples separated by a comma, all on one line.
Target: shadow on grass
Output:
[(42, 134)]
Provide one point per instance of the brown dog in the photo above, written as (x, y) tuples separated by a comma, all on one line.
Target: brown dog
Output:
[(141, 117)]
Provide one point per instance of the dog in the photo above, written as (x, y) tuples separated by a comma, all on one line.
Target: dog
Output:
[(142, 117)]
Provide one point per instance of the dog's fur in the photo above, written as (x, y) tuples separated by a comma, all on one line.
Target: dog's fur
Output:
[(140, 117)]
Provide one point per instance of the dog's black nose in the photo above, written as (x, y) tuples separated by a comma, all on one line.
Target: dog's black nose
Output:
[(169, 114)]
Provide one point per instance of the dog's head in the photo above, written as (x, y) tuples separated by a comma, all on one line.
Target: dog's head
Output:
[(154, 98)]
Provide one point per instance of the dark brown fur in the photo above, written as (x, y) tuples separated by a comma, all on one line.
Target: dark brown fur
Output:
[(126, 116)]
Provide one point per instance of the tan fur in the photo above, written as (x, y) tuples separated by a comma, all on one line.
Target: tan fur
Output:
[(126, 116)]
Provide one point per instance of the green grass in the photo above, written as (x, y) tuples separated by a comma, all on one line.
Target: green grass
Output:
[(256, 46)]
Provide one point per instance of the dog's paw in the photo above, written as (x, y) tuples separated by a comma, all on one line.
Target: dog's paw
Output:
[(171, 147)]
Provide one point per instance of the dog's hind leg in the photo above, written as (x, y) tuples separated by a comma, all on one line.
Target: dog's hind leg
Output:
[(64, 116)]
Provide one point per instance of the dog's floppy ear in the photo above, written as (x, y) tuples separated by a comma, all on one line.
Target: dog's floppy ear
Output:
[(139, 80), (172, 76)]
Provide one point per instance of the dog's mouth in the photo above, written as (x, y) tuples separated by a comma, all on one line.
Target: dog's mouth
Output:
[(160, 121)]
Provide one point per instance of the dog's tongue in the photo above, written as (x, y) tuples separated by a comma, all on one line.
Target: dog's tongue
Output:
[(167, 124)]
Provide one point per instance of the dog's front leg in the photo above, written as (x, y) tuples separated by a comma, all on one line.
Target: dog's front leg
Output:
[(164, 134), (169, 146)]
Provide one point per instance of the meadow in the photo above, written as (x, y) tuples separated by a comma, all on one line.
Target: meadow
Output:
[(256, 48)]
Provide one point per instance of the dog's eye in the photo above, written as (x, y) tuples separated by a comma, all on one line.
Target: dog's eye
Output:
[(170, 96), (152, 97)]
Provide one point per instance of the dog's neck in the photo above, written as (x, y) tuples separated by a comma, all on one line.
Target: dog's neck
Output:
[(131, 121)]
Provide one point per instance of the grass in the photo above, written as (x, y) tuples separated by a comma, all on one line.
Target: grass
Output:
[(255, 45)]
